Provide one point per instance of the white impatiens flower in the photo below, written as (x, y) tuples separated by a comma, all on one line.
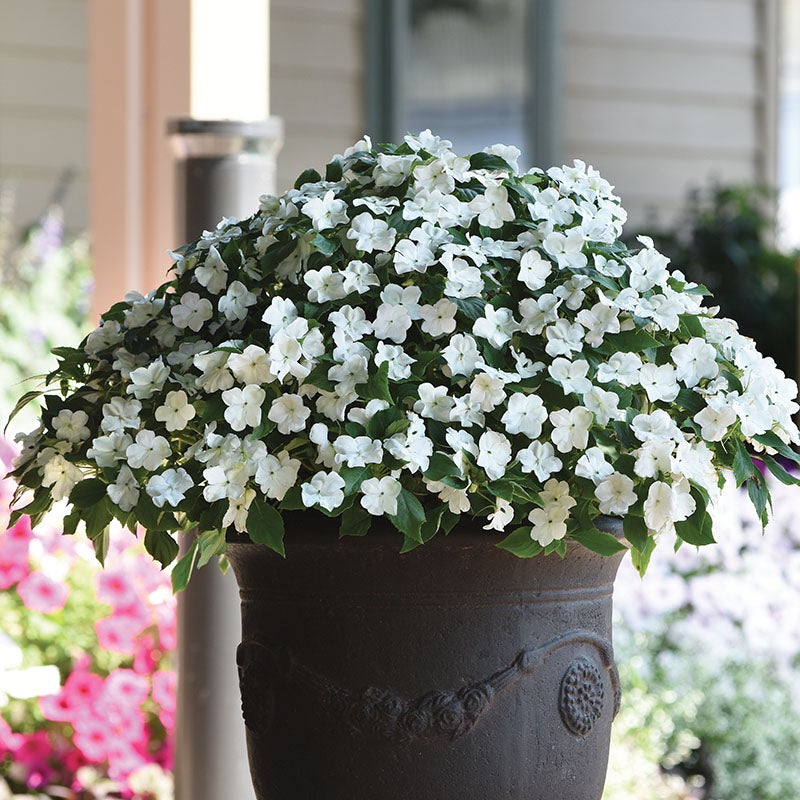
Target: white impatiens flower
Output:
[(440, 318), (615, 494), (487, 390), (604, 405), (623, 368), (71, 426), (213, 272), (563, 338), (492, 207), (124, 492), (540, 459), (570, 375), (660, 382), (324, 285), (215, 373), (658, 507), (497, 325), (380, 495), (571, 428), (350, 373), (324, 489), (192, 311), (593, 465), (148, 451), (399, 361), (434, 402), (462, 354), (235, 302), (280, 313), (106, 451), (412, 257), (289, 413), (60, 476), (370, 233), (176, 412), (243, 406), (238, 511), (503, 514), (326, 211), (657, 426), (146, 381), (357, 451), (225, 483), (494, 454), (169, 487), (392, 322), (695, 361), (714, 420), (276, 474), (252, 365), (534, 270), (548, 524), (525, 414), (119, 413)]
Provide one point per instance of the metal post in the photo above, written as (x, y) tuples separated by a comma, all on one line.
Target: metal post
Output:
[(223, 166)]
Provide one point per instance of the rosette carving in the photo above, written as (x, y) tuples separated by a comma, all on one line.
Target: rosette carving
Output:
[(384, 713)]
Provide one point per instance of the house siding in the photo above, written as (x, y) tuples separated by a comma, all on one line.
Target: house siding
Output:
[(316, 80), (667, 95), (44, 105)]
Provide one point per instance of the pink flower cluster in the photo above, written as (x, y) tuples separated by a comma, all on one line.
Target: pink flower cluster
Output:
[(115, 709)]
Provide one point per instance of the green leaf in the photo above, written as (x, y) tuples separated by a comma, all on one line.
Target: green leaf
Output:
[(471, 307), (101, 541), (697, 530), (266, 426), (87, 492), (691, 326), (377, 387), (97, 517), (743, 467), (42, 502), (293, 500), (635, 341), (778, 471), (606, 544), (636, 532), (307, 176), (353, 477), (210, 544), (441, 466), (758, 491), (378, 425), (183, 569), (773, 441), (690, 400), (333, 171), (326, 246), (519, 543), (409, 544), (71, 522), (319, 377), (161, 546), (265, 525), (488, 161), (641, 557), (26, 398), (355, 522), (410, 515), (503, 489), (432, 523)]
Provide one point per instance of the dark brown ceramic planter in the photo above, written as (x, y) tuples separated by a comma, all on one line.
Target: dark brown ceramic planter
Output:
[(455, 671)]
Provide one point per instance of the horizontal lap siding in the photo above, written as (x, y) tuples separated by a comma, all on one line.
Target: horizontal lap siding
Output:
[(43, 104), (663, 96), (316, 80)]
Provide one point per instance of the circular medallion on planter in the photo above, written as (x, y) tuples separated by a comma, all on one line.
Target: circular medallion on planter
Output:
[(581, 697)]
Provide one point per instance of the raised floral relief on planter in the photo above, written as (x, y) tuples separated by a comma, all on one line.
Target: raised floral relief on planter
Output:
[(421, 336)]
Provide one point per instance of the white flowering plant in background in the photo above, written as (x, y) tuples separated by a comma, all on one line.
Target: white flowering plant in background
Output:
[(420, 337)]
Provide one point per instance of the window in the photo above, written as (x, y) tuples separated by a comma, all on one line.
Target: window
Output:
[(473, 71)]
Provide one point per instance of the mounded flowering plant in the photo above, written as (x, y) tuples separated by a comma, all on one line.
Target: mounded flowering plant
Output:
[(418, 336)]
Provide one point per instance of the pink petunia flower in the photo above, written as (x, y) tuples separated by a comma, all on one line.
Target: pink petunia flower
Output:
[(118, 633), (115, 588), (41, 593), (127, 688)]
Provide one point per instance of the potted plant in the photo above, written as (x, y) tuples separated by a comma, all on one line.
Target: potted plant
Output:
[(417, 344)]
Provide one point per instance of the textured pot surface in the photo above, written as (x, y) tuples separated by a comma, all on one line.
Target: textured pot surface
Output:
[(454, 671)]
